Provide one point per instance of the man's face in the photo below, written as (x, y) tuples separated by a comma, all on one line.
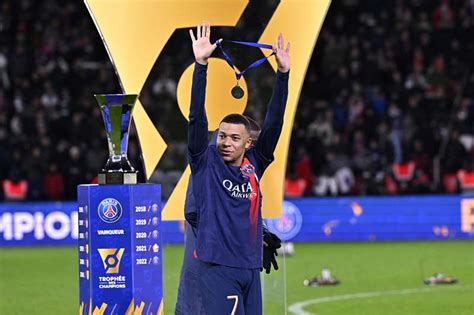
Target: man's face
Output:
[(232, 141)]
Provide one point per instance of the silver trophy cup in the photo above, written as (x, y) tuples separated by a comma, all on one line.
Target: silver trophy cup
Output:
[(117, 114)]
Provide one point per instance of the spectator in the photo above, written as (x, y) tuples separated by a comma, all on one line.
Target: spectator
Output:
[(15, 188), (465, 178), (294, 186), (53, 183), (383, 84)]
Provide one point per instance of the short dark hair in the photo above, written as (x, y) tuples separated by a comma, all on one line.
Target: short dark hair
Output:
[(237, 119), (254, 126), (254, 129)]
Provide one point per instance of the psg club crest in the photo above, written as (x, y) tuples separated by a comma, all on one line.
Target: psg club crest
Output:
[(110, 210), (247, 169)]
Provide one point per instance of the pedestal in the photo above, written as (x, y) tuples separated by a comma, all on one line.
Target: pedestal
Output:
[(120, 262)]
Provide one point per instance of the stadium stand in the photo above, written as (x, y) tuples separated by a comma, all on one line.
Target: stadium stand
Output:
[(387, 105)]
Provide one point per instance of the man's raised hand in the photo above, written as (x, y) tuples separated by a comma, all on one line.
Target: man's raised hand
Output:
[(202, 46), (282, 54)]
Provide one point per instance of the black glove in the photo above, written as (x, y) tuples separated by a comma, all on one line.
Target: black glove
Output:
[(271, 243)]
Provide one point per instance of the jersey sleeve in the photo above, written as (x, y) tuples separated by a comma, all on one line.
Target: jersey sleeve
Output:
[(190, 210), (198, 125), (273, 123)]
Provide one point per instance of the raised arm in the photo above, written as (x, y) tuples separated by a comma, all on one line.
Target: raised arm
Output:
[(198, 129), (273, 123)]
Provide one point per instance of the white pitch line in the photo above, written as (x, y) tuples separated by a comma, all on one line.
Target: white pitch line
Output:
[(298, 308)]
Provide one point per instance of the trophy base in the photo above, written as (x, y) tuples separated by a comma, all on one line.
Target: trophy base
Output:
[(117, 178)]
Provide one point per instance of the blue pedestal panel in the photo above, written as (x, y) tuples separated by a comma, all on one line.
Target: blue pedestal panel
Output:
[(120, 262)]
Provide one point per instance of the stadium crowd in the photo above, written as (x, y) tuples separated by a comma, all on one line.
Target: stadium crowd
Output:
[(387, 105)]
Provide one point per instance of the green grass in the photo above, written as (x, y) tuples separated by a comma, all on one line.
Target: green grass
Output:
[(44, 280), (372, 267)]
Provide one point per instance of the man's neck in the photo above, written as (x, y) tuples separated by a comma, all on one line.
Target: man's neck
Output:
[(237, 162)]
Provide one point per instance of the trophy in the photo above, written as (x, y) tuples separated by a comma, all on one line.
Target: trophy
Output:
[(117, 114), (119, 239)]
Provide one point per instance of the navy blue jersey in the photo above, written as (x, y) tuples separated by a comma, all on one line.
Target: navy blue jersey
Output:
[(228, 198), (189, 299)]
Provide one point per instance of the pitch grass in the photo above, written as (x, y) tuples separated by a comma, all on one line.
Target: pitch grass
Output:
[(45, 280)]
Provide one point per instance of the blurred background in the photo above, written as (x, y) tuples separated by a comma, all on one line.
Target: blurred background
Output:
[(387, 105), (387, 109)]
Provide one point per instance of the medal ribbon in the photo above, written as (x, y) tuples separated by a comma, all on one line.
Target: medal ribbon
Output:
[(255, 64)]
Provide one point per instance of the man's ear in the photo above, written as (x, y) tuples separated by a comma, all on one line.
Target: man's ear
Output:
[(248, 143)]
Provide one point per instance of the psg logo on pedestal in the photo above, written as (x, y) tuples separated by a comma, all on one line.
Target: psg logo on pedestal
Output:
[(110, 210)]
